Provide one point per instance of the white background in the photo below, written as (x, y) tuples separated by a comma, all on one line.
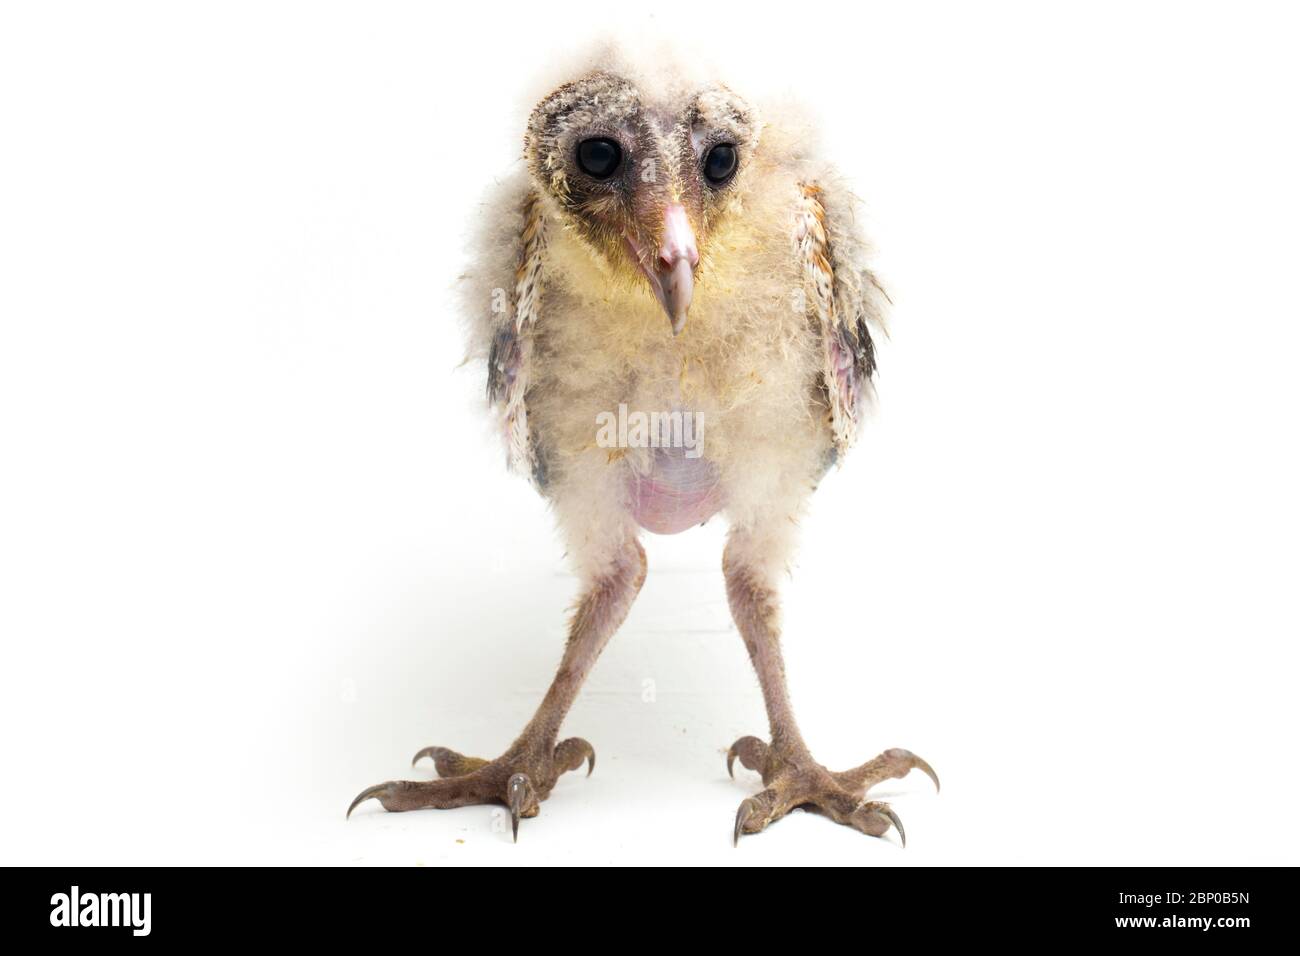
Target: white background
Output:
[(258, 545)]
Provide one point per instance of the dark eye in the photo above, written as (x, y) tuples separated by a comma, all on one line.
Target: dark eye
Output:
[(720, 164), (599, 157)]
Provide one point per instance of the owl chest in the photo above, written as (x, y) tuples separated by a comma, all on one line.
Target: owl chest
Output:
[(671, 483)]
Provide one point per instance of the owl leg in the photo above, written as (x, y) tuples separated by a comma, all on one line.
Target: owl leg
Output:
[(791, 776), (525, 774)]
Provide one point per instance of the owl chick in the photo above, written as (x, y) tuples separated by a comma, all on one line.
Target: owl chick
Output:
[(675, 313)]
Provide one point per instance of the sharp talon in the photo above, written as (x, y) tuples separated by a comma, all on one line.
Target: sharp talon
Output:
[(519, 792), (430, 752), (892, 817), (895, 762), (927, 770), (752, 753), (449, 763), (744, 813), (365, 795), (570, 754)]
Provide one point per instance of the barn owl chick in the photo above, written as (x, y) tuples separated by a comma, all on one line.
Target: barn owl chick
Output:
[(668, 254)]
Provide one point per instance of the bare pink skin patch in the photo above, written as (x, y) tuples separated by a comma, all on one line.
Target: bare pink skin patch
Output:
[(677, 494)]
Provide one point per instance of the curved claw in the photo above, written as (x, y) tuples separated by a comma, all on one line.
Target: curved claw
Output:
[(448, 762), (748, 807), (759, 805), (911, 761), (364, 795), (894, 763), (571, 753), (892, 817), (927, 770), (519, 797), (752, 753)]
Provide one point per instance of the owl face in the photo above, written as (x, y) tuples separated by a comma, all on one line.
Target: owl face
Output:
[(643, 183)]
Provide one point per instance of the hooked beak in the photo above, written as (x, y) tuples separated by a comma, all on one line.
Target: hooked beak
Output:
[(671, 273)]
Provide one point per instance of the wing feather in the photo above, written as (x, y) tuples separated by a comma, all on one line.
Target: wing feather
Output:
[(843, 299), (510, 353)]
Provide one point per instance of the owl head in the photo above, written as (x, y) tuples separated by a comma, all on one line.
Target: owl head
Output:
[(643, 179)]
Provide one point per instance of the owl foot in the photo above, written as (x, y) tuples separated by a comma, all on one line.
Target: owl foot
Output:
[(520, 779), (793, 779)]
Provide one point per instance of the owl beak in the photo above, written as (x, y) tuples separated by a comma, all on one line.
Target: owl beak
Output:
[(676, 287), (671, 274)]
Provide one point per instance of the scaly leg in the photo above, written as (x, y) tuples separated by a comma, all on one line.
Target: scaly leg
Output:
[(525, 774), (791, 776)]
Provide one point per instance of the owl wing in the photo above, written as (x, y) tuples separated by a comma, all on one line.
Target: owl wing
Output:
[(512, 284), (843, 298)]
